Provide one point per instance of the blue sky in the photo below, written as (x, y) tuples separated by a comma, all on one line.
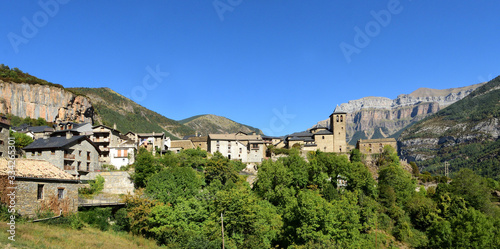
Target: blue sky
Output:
[(277, 65)]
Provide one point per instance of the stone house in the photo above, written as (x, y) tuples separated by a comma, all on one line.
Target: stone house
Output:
[(238, 146), (201, 142), (105, 137), (81, 128), (375, 146), (178, 145), (74, 154), (4, 136), (152, 141), (122, 154), (35, 132), (41, 186)]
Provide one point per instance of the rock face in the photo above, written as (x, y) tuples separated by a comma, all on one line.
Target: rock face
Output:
[(48, 102), (464, 134), (378, 117)]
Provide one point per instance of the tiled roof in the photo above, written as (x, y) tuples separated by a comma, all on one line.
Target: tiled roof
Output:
[(199, 139), (324, 132), (186, 144), (35, 169), (379, 140)]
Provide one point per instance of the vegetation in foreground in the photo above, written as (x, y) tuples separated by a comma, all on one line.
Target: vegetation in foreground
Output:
[(328, 201), (304, 204), (41, 235)]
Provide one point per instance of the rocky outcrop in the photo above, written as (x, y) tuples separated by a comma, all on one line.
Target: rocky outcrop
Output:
[(378, 117), (48, 102)]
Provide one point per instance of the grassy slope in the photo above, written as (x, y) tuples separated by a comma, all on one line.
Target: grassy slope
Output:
[(457, 120), (36, 235), (130, 116), (207, 124)]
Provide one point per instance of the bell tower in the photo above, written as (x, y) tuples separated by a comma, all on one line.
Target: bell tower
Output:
[(338, 128)]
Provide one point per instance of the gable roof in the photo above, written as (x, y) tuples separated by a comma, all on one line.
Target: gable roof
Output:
[(56, 143), (40, 129), (34, 169)]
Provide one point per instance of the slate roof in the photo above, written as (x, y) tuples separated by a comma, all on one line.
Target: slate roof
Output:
[(56, 142), (338, 111), (325, 132), (40, 129)]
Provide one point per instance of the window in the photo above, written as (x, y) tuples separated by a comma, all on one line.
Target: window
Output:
[(241, 150), (88, 155), (52, 152), (322, 137), (340, 148), (60, 193), (88, 166), (337, 118), (40, 192), (1, 141), (79, 153), (255, 146), (32, 153), (341, 118), (38, 153)]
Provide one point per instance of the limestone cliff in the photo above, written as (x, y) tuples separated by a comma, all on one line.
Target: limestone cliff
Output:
[(378, 117), (49, 102), (465, 134)]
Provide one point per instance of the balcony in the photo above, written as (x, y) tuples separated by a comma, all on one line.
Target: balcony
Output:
[(102, 140), (69, 157), (69, 167)]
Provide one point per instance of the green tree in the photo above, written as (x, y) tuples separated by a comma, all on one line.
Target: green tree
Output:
[(21, 140), (219, 168), (145, 166), (473, 188), (170, 184)]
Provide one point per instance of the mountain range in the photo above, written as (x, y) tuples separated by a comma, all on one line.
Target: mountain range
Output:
[(465, 134), (380, 117)]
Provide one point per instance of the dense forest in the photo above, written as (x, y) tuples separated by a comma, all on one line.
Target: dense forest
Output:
[(326, 201)]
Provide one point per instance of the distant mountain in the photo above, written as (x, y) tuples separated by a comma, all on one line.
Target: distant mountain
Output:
[(465, 134), (208, 123), (380, 117), (113, 108)]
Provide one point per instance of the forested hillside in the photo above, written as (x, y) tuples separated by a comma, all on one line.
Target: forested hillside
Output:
[(327, 201), (465, 134), (113, 108)]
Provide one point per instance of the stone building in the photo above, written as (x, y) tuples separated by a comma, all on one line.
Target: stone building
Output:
[(122, 154), (73, 154), (178, 145), (201, 142), (375, 146), (238, 146), (151, 141), (332, 139), (105, 137), (41, 186), (4, 136)]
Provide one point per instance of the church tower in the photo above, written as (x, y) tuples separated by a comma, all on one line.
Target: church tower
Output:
[(338, 128)]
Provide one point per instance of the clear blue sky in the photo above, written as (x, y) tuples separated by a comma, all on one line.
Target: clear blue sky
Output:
[(250, 60)]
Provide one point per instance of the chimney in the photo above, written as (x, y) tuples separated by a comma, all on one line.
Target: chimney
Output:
[(69, 135), (114, 126)]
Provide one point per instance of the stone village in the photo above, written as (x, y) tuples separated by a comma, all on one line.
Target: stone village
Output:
[(63, 157)]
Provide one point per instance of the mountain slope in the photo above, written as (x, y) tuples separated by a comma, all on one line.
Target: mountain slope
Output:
[(208, 123), (376, 117), (113, 108), (465, 134)]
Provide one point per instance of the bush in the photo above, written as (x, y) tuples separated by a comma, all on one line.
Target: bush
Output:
[(96, 217)]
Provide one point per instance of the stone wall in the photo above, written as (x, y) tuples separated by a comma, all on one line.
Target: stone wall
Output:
[(28, 204), (115, 182)]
